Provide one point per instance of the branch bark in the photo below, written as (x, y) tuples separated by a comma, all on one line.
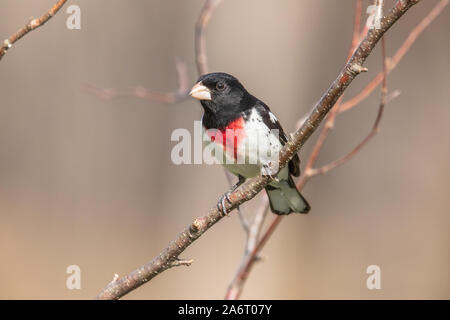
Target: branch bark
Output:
[(324, 169), (254, 185), (30, 26), (201, 61), (236, 286), (395, 59)]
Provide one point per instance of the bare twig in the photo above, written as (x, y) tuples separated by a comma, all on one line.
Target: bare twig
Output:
[(181, 262), (356, 27), (253, 186), (30, 26), (181, 93), (243, 219), (178, 95), (252, 241), (392, 62), (373, 131), (201, 59), (256, 226), (329, 124), (236, 286), (200, 42)]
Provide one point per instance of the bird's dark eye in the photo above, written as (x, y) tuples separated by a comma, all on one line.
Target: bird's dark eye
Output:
[(220, 86)]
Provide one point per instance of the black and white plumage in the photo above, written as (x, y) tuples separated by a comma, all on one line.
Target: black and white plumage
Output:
[(234, 120)]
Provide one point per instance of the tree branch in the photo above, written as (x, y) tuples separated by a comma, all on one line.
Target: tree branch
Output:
[(392, 62), (201, 60), (324, 169), (250, 256), (236, 285), (30, 26), (254, 185)]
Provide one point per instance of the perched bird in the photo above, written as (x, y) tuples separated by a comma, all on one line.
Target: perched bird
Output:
[(231, 117)]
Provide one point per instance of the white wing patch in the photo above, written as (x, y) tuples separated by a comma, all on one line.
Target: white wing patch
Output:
[(261, 141), (272, 117)]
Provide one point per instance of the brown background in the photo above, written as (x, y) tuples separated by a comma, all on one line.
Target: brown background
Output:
[(90, 182)]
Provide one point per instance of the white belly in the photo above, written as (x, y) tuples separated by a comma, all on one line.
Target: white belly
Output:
[(257, 146)]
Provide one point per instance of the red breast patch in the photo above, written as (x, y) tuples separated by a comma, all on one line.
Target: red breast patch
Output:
[(230, 136)]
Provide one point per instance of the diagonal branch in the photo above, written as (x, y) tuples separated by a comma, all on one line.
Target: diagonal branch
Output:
[(236, 285), (201, 60), (30, 26), (235, 288), (392, 62), (329, 124), (324, 169), (250, 256), (254, 185)]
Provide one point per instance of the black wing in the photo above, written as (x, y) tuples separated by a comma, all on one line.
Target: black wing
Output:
[(272, 122)]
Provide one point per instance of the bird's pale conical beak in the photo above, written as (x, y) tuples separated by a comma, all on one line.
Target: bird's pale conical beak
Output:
[(200, 92)]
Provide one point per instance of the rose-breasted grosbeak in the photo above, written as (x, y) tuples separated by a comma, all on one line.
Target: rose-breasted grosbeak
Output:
[(231, 117)]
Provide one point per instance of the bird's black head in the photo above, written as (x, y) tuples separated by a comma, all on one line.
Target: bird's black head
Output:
[(222, 94)]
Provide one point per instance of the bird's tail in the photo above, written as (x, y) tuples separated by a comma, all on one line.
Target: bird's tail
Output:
[(284, 198)]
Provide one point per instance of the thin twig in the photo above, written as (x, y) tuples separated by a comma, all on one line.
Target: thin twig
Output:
[(201, 57), (235, 289), (256, 226), (176, 96), (252, 241), (252, 238), (236, 285), (356, 38), (253, 186), (181, 262), (324, 169), (392, 62), (30, 26), (331, 119), (201, 60), (181, 93)]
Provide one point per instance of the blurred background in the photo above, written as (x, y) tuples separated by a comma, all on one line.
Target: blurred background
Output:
[(89, 182)]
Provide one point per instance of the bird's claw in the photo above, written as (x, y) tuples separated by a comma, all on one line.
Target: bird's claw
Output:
[(221, 204), (266, 171), (227, 196)]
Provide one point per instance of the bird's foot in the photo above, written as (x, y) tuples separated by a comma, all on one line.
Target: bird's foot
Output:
[(226, 196), (221, 204), (267, 171)]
